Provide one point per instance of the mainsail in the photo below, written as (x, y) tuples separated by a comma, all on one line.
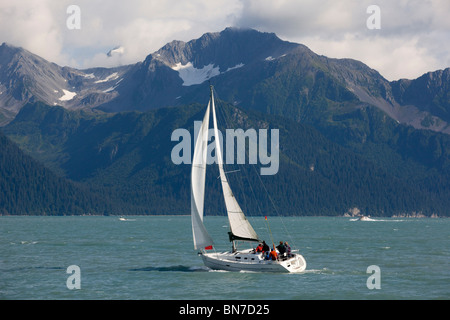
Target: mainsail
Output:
[(201, 237), (241, 228)]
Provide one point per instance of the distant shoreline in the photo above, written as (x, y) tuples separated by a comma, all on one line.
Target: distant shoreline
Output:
[(406, 216)]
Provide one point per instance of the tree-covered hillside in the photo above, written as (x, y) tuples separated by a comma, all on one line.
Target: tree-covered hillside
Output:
[(27, 187), (364, 160)]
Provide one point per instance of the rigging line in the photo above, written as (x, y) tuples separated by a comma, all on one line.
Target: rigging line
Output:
[(276, 210), (271, 236), (230, 172)]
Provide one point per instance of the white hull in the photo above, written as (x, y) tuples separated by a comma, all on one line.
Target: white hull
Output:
[(247, 261)]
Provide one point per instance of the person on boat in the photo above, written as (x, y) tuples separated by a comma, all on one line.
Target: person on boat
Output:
[(259, 248), (288, 249), (273, 254), (266, 255), (281, 248), (265, 247)]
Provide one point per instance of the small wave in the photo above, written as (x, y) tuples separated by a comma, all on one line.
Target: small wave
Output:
[(28, 242), (178, 268), (27, 268), (50, 268), (318, 271)]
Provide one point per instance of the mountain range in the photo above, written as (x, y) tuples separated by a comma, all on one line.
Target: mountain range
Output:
[(252, 69), (348, 137)]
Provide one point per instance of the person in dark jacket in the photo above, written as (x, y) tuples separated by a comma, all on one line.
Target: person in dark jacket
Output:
[(265, 247), (281, 248)]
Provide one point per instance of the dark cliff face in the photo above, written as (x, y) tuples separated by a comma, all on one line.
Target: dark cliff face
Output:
[(430, 92)]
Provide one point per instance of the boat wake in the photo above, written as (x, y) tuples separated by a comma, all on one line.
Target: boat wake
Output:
[(377, 220), (318, 271)]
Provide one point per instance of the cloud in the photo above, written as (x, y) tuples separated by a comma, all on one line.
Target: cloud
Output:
[(414, 35), (31, 24), (140, 26)]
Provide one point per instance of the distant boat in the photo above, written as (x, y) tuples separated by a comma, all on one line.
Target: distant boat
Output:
[(240, 227), (126, 219)]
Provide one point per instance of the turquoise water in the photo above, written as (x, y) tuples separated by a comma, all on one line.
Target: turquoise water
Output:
[(152, 257)]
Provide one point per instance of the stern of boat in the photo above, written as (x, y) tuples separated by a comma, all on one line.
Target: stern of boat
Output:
[(294, 264)]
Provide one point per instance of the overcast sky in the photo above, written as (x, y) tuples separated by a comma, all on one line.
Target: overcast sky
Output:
[(414, 37)]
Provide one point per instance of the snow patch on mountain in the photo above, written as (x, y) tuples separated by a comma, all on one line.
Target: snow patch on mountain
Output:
[(111, 77), (89, 76), (191, 75), (239, 65), (68, 95)]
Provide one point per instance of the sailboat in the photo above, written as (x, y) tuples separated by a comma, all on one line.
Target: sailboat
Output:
[(240, 227)]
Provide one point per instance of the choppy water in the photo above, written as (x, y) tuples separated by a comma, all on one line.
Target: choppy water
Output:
[(152, 257)]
